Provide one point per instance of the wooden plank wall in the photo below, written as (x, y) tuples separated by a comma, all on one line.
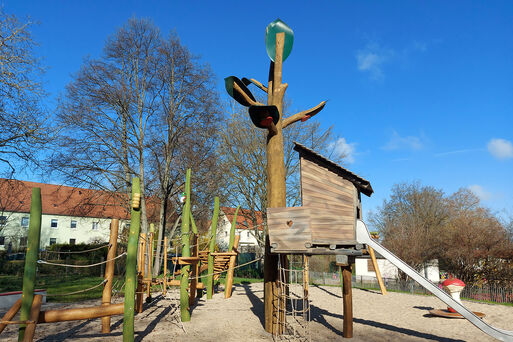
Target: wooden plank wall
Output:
[(334, 199), (289, 237)]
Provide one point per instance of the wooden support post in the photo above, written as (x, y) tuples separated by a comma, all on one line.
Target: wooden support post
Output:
[(306, 283), (143, 255), (165, 265), (30, 330), (231, 268), (139, 294), (109, 272), (10, 314), (29, 275), (211, 249), (195, 269), (131, 267), (347, 297), (376, 269), (62, 315), (149, 275)]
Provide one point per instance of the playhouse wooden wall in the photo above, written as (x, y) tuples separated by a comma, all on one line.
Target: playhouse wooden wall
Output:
[(334, 200)]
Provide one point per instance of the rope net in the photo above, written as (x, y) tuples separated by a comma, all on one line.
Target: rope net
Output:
[(294, 306)]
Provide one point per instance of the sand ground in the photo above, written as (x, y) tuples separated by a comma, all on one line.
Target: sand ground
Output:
[(394, 317)]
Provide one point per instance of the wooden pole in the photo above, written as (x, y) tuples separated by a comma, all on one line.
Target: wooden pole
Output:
[(34, 314), (10, 314), (306, 283), (165, 265), (109, 272), (231, 268), (139, 293), (29, 275), (143, 255), (186, 252), (150, 264), (131, 267), (347, 298), (141, 276), (376, 269), (211, 249), (52, 316)]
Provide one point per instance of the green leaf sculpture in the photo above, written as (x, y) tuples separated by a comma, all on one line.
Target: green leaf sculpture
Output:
[(272, 29)]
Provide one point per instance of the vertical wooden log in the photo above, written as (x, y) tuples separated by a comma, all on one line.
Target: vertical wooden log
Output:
[(186, 252), (165, 265), (211, 249), (149, 274), (194, 274), (376, 269), (231, 268), (131, 267), (29, 274), (10, 314), (34, 315), (347, 298), (276, 189), (143, 255), (306, 283), (139, 293), (109, 272)]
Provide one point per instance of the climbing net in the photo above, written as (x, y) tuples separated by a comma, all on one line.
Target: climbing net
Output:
[(294, 307)]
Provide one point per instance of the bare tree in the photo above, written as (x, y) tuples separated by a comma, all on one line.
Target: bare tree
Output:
[(185, 132), (243, 152), (22, 117), (105, 113)]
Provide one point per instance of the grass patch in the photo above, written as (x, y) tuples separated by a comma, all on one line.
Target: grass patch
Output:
[(57, 285)]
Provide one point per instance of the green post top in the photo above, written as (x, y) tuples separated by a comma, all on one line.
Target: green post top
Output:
[(272, 29)]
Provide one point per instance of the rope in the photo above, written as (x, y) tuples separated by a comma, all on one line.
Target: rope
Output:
[(80, 266), (81, 291), (86, 251)]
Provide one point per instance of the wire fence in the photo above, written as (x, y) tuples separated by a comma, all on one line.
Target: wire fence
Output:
[(491, 293)]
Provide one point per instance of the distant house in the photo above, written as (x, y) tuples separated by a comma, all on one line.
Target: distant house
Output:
[(245, 228), (70, 215)]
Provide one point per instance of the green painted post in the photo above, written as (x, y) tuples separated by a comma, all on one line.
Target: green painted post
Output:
[(29, 275), (213, 231), (131, 265), (186, 251), (193, 224)]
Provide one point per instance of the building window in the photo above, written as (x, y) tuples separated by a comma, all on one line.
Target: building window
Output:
[(3, 220), (2, 240), (72, 241), (248, 234), (23, 241), (96, 225), (25, 221), (53, 223), (73, 224), (53, 241)]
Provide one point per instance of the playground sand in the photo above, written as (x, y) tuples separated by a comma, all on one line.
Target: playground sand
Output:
[(394, 317)]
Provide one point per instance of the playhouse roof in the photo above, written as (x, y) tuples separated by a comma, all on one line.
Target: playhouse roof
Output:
[(361, 184)]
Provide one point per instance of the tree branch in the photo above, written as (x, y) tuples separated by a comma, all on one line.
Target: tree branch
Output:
[(258, 84), (310, 112)]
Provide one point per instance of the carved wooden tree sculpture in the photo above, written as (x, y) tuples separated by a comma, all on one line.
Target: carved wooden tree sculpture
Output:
[(279, 38)]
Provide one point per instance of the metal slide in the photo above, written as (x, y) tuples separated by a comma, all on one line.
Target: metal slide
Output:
[(363, 236)]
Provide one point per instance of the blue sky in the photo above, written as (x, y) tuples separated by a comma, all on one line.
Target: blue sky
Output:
[(417, 90)]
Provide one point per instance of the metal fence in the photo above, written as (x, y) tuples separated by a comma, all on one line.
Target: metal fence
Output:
[(491, 293)]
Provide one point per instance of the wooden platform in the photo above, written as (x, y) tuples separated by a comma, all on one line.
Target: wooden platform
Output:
[(448, 314)]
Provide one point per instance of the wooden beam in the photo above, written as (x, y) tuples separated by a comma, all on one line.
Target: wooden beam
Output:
[(231, 268), (376, 269), (109, 272), (30, 330), (347, 298), (10, 314), (52, 316)]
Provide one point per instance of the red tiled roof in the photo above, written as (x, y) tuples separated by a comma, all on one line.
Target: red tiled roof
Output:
[(244, 218), (64, 200)]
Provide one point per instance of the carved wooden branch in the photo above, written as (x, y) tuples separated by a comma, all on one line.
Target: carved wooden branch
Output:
[(309, 112), (246, 97), (258, 84)]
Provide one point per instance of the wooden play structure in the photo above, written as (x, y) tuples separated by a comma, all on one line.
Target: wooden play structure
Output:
[(193, 261)]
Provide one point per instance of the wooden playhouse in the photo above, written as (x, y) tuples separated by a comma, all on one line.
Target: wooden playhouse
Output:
[(331, 204)]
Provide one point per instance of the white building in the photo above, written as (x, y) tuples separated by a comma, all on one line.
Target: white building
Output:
[(70, 215), (245, 228)]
